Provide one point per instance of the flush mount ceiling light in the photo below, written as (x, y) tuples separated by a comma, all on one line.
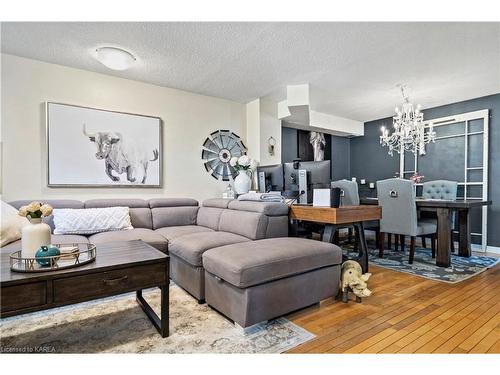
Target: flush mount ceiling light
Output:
[(115, 58)]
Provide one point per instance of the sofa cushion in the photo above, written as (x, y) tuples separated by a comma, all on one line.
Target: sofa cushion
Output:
[(252, 225), (277, 226), (190, 248), (257, 262), (91, 220), (217, 202), (55, 203), (11, 224), (177, 231), (117, 202), (68, 239), (172, 202), (147, 235), (141, 218), (140, 214), (266, 208), (11, 247), (209, 217), (173, 216)]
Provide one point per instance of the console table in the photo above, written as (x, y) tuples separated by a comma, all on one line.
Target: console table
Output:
[(334, 217), (444, 209), (120, 267)]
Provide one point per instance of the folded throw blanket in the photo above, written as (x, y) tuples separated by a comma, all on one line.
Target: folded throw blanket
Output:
[(261, 197)]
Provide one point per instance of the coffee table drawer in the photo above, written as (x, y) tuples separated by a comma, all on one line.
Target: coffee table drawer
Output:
[(24, 296), (110, 282)]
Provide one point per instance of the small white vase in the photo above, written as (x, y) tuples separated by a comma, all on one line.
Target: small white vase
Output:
[(242, 182), (33, 236)]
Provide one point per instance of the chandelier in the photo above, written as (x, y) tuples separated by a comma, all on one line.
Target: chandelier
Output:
[(409, 131)]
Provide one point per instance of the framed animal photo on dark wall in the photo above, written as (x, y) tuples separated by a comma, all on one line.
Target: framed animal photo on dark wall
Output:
[(90, 147)]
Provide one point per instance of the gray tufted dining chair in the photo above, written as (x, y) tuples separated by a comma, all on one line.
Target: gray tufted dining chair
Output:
[(439, 189), (399, 213)]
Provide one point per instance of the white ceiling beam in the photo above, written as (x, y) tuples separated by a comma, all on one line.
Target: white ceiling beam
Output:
[(296, 111)]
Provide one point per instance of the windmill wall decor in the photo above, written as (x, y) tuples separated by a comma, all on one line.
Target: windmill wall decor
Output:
[(218, 149)]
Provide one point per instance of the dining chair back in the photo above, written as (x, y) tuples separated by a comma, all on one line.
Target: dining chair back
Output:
[(399, 210), (440, 189), (349, 192)]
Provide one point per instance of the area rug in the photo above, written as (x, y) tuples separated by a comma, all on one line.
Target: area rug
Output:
[(425, 266), (118, 325)]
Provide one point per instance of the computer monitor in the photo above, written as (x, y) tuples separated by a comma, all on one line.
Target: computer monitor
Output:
[(318, 175), (270, 178)]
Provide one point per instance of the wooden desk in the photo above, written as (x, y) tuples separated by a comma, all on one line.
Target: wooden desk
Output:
[(444, 209), (333, 217)]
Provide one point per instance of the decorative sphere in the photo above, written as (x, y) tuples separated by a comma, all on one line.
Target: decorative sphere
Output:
[(44, 252)]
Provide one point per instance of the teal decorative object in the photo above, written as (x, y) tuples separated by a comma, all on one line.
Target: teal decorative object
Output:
[(46, 251)]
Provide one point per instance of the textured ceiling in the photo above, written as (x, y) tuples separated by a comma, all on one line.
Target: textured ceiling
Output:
[(352, 68)]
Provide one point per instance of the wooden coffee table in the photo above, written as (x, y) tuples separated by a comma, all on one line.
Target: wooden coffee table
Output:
[(120, 267)]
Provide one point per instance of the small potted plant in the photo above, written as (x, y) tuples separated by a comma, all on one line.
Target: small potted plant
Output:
[(38, 233), (245, 167)]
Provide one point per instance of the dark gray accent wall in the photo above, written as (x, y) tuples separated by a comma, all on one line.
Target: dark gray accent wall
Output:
[(370, 161), (340, 152), (289, 150), (341, 162)]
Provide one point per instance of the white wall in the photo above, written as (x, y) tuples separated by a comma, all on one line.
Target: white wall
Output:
[(262, 123), (253, 129), (187, 120), (270, 126)]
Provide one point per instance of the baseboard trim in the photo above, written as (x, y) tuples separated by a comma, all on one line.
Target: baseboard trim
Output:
[(489, 249)]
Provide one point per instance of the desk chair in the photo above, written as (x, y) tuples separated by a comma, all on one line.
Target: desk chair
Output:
[(350, 197), (399, 213)]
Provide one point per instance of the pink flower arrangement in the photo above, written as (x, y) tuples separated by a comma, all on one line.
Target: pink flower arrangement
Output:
[(417, 178)]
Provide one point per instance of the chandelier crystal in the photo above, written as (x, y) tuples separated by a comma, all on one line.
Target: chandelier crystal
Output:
[(409, 131)]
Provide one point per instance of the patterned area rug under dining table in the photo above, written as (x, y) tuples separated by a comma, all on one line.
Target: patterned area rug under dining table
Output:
[(118, 325), (424, 265)]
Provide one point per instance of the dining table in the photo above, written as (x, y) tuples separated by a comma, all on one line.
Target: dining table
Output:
[(444, 210)]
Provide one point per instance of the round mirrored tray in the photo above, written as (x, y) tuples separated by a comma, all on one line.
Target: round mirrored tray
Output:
[(72, 255)]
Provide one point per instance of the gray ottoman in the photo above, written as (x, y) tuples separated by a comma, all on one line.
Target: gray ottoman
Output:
[(256, 281)]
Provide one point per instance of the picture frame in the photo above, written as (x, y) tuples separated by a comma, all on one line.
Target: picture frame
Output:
[(94, 147)]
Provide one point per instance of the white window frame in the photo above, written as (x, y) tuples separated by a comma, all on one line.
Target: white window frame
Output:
[(465, 118)]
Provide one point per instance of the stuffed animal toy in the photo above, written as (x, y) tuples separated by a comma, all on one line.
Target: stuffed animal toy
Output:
[(353, 279)]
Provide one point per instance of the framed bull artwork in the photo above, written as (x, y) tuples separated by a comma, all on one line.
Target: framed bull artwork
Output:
[(90, 147)]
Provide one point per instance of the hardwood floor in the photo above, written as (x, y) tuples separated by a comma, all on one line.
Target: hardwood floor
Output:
[(409, 314)]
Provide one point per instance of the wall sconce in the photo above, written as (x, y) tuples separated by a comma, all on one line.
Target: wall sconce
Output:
[(271, 142)]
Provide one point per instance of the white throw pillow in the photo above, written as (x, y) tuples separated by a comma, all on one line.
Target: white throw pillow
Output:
[(11, 225), (91, 220)]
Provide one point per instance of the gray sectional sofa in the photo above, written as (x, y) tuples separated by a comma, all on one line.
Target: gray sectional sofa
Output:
[(148, 217), (224, 222), (236, 254)]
